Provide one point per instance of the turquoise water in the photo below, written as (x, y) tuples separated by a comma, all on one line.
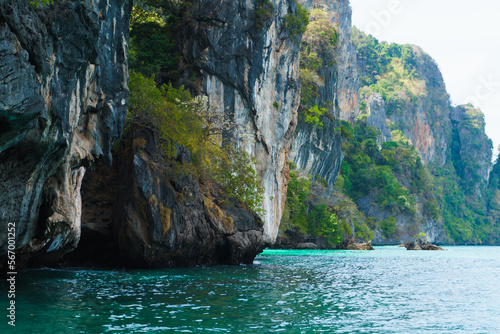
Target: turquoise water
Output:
[(388, 290)]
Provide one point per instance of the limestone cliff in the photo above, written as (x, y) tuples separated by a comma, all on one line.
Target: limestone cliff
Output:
[(426, 123), (471, 149), (249, 68), (317, 150), (413, 90), (348, 83), (451, 142), (63, 100), (407, 224), (493, 200), (378, 118), (143, 212), (466, 171), (347, 80)]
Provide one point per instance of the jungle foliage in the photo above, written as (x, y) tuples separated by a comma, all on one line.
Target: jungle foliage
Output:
[(40, 3), (263, 13), (296, 23), (309, 217), (393, 175), (152, 48)]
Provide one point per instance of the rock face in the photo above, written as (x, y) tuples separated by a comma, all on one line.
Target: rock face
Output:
[(377, 117), (318, 151), (251, 70), (471, 149), (347, 82), (348, 78), (63, 96), (450, 141), (428, 125), (154, 217), (408, 225)]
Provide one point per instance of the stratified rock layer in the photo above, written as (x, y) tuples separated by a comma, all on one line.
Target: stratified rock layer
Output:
[(63, 100)]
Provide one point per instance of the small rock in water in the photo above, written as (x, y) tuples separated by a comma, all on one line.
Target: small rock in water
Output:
[(307, 245), (357, 246), (420, 245)]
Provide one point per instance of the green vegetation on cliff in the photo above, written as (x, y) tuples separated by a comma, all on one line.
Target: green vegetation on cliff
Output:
[(307, 213), (316, 53), (407, 79), (263, 13), (494, 192), (190, 122), (38, 3), (151, 48), (297, 22), (393, 175), (179, 118), (452, 186)]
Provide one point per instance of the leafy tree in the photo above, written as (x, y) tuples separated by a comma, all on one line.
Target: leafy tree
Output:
[(388, 226), (363, 232), (311, 82), (324, 223), (312, 116), (263, 13), (151, 49), (303, 216), (296, 23)]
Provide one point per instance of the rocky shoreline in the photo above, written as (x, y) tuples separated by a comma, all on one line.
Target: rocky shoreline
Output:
[(294, 240)]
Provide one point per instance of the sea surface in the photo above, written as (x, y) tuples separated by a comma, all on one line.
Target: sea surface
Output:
[(388, 290)]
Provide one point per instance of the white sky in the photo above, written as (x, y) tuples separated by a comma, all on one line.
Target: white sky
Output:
[(463, 37)]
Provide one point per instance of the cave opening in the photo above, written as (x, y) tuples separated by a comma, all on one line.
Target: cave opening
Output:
[(97, 246)]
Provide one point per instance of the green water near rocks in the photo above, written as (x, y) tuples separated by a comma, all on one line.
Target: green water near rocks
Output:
[(388, 290)]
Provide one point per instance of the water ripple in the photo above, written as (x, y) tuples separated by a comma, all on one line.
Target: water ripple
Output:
[(389, 290)]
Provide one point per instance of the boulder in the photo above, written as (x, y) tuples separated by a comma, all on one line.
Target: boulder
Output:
[(421, 245), (360, 246)]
